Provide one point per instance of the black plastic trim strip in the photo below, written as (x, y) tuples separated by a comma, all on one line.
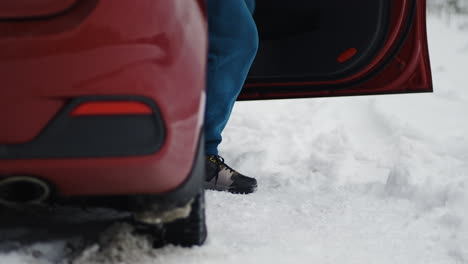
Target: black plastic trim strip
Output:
[(46, 17), (94, 136)]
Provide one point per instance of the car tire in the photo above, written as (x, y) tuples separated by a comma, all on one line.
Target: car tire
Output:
[(187, 231), (190, 231)]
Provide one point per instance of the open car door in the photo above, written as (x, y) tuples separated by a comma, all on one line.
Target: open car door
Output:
[(314, 48)]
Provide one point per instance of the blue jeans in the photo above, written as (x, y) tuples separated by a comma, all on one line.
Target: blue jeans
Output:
[(233, 44)]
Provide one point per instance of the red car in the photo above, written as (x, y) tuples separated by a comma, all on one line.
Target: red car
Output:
[(102, 101)]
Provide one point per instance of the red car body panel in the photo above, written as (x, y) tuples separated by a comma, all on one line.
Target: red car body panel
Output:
[(408, 71), (147, 48)]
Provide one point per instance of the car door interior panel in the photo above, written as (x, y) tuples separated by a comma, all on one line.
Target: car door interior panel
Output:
[(339, 48), (322, 40)]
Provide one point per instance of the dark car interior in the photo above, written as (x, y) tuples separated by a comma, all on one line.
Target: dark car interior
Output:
[(318, 40)]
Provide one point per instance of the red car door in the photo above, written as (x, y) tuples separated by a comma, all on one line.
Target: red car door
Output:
[(339, 48)]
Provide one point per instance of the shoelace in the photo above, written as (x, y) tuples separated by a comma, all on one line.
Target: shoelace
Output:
[(220, 162)]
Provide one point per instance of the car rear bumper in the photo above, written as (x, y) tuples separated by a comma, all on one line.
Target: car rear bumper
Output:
[(174, 198), (152, 49)]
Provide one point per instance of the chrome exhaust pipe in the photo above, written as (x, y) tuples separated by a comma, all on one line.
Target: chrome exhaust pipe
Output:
[(22, 190)]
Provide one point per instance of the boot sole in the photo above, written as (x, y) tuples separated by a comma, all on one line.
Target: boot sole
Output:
[(234, 190)]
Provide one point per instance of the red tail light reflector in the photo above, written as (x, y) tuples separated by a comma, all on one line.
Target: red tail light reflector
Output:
[(112, 108), (347, 55)]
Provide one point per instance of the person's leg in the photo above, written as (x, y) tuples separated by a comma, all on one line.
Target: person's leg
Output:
[(233, 43)]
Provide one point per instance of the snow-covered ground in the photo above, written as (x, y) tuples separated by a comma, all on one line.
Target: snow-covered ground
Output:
[(377, 179)]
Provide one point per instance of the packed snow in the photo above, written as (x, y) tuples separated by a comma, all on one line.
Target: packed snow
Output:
[(375, 179)]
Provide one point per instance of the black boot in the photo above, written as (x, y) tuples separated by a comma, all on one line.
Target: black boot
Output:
[(221, 177)]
